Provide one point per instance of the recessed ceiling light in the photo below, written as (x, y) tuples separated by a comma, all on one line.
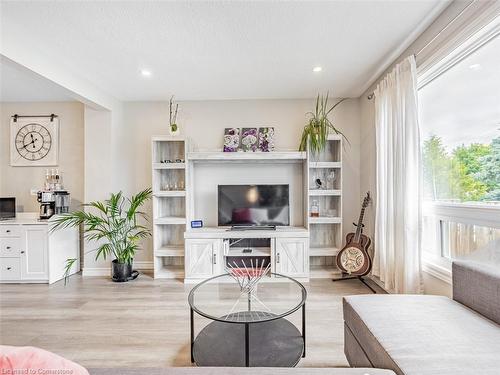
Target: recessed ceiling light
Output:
[(145, 73), (317, 69), (475, 66)]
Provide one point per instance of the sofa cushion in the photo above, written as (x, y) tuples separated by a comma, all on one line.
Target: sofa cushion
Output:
[(417, 334), (477, 285), (238, 371)]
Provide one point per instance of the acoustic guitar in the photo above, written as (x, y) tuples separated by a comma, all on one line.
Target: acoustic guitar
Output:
[(354, 259)]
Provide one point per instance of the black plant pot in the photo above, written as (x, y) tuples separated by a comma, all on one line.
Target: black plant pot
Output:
[(123, 272)]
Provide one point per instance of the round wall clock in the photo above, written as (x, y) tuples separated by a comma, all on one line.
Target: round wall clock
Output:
[(34, 141)]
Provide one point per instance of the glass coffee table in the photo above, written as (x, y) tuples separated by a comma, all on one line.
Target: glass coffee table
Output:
[(248, 325)]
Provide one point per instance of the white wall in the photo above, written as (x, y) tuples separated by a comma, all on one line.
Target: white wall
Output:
[(17, 181), (204, 122)]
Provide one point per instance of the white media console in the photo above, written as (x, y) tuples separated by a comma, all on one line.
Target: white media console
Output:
[(182, 193)]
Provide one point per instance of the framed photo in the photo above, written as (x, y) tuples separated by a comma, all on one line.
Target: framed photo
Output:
[(266, 139), (231, 139), (34, 141), (249, 139)]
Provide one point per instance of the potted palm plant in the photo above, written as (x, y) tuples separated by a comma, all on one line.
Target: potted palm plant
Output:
[(115, 226), (319, 126)]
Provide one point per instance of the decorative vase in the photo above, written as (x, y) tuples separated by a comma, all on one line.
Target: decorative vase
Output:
[(174, 130), (122, 272)]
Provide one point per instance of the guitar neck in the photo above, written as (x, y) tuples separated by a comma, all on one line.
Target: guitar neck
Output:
[(359, 228)]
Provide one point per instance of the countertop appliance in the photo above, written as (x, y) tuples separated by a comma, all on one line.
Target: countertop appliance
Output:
[(53, 202), (7, 208), (253, 205)]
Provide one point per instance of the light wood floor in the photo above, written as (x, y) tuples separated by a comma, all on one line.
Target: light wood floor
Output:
[(144, 323)]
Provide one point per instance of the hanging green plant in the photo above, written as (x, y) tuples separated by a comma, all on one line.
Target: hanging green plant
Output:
[(319, 126)]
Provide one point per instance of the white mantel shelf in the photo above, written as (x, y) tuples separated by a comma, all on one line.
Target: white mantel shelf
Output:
[(242, 157)]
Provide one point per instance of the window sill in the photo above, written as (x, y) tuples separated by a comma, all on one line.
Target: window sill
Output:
[(439, 269)]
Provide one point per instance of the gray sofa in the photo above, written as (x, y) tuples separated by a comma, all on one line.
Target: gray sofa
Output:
[(422, 334)]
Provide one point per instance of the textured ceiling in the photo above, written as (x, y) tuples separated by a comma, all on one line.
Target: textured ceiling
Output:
[(215, 49)]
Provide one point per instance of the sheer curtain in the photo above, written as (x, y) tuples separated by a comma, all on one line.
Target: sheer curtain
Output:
[(398, 205)]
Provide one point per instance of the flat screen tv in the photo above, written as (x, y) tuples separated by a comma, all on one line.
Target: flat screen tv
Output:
[(7, 208), (253, 205)]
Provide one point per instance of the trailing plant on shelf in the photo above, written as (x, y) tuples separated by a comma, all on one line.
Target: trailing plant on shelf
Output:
[(115, 226), (319, 126), (173, 127)]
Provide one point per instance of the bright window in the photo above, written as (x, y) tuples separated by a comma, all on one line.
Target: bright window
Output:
[(459, 114)]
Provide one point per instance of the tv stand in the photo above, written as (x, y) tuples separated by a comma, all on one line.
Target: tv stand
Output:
[(208, 250), (253, 227)]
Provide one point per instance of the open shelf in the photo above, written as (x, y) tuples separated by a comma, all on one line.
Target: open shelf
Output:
[(323, 251), (169, 165), (273, 156), (170, 272), (256, 252), (324, 192), (168, 220), (169, 193), (325, 220), (325, 164), (324, 271), (170, 251), (169, 182)]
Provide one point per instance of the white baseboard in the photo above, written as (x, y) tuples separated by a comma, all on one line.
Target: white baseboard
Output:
[(106, 271)]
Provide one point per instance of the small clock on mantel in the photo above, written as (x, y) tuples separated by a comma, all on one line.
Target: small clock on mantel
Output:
[(34, 141)]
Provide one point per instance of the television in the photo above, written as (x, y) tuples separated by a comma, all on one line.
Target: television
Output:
[(7, 208), (253, 205)]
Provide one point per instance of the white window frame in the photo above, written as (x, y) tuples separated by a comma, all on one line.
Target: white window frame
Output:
[(483, 26), (466, 213)]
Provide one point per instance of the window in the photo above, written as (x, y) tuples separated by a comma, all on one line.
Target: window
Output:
[(459, 114)]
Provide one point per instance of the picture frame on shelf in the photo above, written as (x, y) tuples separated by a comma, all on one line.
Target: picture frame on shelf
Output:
[(249, 140), (266, 139), (231, 139)]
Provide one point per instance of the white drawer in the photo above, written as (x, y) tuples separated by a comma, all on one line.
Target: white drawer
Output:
[(10, 268), (10, 247), (10, 230)]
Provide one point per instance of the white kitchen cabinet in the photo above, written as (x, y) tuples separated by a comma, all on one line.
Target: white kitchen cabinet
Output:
[(34, 254), (30, 253), (291, 257), (202, 258)]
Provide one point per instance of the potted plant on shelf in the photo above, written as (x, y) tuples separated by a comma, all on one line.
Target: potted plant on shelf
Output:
[(319, 126), (114, 225), (173, 127)]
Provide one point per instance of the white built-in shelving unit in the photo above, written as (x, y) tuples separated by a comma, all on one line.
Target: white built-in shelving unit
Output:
[(193, 254), (170, 201), (325, 231)]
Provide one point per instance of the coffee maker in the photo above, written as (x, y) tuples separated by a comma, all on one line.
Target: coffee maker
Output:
[(47, 204), (62, 201)]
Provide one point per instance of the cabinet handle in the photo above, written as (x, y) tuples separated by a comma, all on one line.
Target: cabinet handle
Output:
[(9, 268), (278, 258), (7, 231), (8, 247), (22, 251), (215, 258)]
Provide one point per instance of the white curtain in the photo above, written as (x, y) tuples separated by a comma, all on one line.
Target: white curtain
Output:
[(398, 202)]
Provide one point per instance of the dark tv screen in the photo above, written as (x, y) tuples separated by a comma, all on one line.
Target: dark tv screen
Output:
[(253, 205), (7, 208)]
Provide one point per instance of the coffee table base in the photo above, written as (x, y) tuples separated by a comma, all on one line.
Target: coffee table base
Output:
[(276, 343)]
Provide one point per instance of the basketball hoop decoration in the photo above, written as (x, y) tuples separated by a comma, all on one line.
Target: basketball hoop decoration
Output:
[(248, 277)]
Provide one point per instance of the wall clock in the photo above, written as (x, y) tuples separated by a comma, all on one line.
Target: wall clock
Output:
[(34, 141)]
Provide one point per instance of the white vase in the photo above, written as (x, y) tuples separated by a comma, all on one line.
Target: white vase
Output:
[(175, 132)]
